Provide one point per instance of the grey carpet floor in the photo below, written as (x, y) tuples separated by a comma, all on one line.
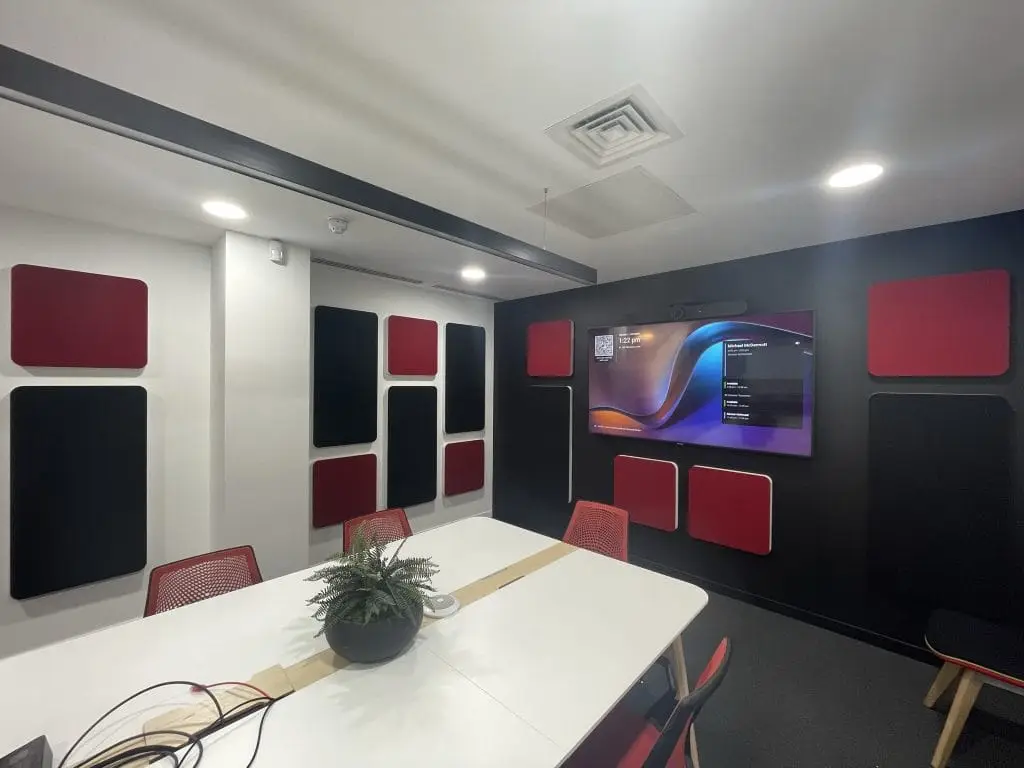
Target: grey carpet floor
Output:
[(797, 696)]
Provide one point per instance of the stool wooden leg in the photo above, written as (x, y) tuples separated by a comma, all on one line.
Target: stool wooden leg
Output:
[(947, 675), (966, 695), (678, 661)]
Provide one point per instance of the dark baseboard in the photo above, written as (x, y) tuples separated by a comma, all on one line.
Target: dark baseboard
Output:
[(894, 645)]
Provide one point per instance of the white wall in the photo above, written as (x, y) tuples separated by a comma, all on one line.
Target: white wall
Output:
[(351, 290), (260, 354), (228, 384), (177, 379)]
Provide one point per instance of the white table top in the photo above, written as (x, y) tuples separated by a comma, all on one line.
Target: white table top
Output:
[(518, 678)]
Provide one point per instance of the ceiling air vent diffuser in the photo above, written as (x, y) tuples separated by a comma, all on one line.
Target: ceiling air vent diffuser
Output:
[(618, 127)]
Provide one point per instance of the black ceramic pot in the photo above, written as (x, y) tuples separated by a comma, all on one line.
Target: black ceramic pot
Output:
[(376, 641)]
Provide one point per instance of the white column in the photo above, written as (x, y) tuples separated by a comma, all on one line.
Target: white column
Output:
[(260, 380)]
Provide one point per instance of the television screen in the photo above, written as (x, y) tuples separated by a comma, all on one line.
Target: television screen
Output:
[(745, 382)]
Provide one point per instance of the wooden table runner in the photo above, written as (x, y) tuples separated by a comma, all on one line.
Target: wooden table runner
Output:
[(195, 717), (318, 666)]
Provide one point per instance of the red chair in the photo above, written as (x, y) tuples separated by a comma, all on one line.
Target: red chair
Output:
[(385, 526), (600, 528), (647, 746), (196, 578)]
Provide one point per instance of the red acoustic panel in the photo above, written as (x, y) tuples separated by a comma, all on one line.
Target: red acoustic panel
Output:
[(730, 508), (649, 490), (66, 319), (344, 488), (463, 467), (412, 346), (549, 349), (949, 325)]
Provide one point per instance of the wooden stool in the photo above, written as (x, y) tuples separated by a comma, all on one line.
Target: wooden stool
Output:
[(977, 652)]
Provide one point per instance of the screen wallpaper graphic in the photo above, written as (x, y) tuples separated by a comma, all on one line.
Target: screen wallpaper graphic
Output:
[(745, 383)]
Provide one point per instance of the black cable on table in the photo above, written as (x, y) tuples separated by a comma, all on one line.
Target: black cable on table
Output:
[(191, 740), (155, 751), (112, 710), (259, 735), (228, 718)]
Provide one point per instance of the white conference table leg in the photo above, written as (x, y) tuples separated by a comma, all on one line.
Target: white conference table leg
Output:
[(678, 661)]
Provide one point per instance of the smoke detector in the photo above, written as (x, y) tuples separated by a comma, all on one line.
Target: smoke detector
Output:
[(337, 225), (621, 126)]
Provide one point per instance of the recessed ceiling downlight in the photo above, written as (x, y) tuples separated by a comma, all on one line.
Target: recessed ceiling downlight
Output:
[(225, 210), (855, 175), (472, 274)]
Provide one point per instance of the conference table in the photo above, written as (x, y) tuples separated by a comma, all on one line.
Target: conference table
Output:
[(517, 678)]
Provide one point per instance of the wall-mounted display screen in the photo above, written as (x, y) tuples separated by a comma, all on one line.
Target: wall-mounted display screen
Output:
[(745, 382)]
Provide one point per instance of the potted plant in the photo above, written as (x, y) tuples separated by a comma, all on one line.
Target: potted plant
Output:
[(371, 605)]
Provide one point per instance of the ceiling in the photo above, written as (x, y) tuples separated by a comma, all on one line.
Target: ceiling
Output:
[(54, 165), (448, 103)]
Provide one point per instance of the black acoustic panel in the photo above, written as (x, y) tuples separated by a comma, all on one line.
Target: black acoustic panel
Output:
[(78, 486), (465, 366), (412, 446), (345, 377), (539, 455), (941, 527)]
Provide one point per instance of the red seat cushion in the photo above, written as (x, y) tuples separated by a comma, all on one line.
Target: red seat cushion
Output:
[(623, 739), (642, 746), (991, 649), (633, 737)]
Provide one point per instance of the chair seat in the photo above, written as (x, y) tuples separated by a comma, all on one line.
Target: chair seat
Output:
[(641, 747), (991, 649), (621, 741), (661, 736)]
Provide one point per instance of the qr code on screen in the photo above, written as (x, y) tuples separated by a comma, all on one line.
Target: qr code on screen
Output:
[(604, 347)]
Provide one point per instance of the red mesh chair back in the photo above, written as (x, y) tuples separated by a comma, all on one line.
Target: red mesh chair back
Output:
[(671, 747), (385, 526), (600, 528), (197, 578)]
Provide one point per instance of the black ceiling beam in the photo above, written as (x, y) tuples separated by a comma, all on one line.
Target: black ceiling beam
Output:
[(46, 86)]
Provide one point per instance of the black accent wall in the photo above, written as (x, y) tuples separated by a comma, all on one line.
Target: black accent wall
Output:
[(821, 568)]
